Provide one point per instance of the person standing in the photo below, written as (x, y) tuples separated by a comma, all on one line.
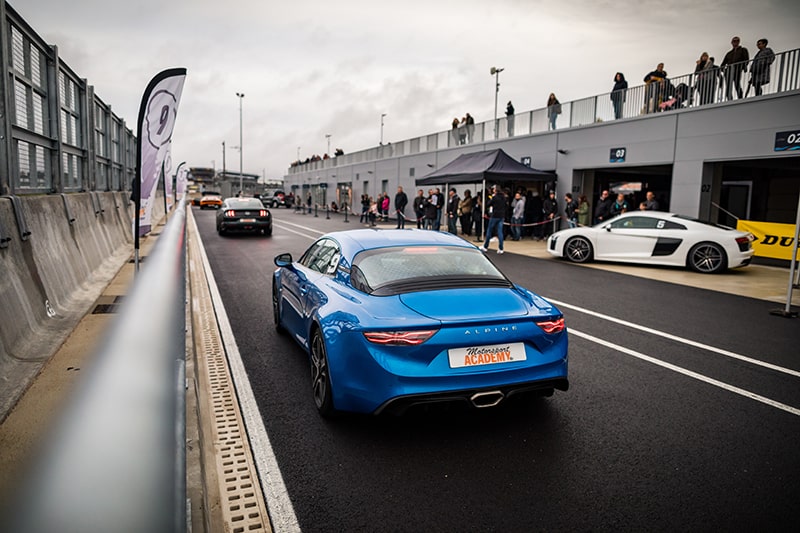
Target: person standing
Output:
[(510, 118), (706, 74), (571, 210), (759, 70), (477, 215), (456, 139), (497, 215), (465, 213), (618, 94), (584, 212), (602, 208), (619, 206), (656, 82), (534, 214), (470, 129), (651, 204), (553, 110), (550, 210), (400, 203), (431, 212), (385, 207), (452, 211), (517, 216), (439, 207), (419, 208), (733, 64)]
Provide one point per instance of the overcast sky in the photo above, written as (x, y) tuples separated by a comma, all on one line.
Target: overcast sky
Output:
[(311, 68)]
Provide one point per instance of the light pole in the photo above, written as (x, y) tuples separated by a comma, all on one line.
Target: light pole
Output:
[(496, 73), (328, 136), (382, 115), (241, 179), (223, 159)]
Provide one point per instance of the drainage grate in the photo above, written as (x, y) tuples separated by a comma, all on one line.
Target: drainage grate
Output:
[(107, 305), (241, 499)]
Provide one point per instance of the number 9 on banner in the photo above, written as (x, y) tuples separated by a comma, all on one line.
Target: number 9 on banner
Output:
[(162, 110)]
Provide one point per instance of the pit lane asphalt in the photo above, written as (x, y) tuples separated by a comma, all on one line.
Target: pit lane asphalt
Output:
[(631, 445)]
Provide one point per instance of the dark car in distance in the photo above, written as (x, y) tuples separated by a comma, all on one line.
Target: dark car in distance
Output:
[(244, 215), (275, 199)]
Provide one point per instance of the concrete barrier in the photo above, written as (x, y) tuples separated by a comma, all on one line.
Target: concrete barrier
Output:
[(51, 276)]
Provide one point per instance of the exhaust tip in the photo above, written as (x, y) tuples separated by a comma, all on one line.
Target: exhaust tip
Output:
[(487, 399)]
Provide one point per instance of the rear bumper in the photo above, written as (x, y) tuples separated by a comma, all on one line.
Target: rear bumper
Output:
[(472, 398), (245, 226)]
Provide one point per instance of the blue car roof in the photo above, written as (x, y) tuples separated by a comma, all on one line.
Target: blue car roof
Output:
[(355, 241)]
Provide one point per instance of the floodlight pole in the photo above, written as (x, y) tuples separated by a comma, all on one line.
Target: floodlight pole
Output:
[(241, 178), (496, 71)]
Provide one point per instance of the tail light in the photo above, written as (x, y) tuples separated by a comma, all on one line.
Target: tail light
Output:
[(399, 338), (552, 326), (230, 213), (262, 213), (744, 242)]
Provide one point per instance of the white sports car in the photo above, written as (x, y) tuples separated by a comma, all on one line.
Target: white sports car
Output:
[(656, 238)]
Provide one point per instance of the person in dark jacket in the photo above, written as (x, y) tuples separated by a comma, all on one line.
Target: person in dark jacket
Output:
[(400, 203), (550, 209), (619, 206), (477, 214), (419, 208), (431, 211), (759, 70), (452, 211), (533, 214), (655, 88), (602, 208), (733, 64), (618, 93), (497, 215)]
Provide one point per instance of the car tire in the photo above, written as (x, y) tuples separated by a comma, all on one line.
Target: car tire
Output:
[(578, 250), (320, 376), (707, 258), (267, 232), (276, 310)]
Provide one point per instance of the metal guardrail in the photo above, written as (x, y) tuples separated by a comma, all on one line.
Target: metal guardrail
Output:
[(116, 459), (784, 75)]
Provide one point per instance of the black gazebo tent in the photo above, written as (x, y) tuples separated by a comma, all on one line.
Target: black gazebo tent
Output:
[(476, 167)]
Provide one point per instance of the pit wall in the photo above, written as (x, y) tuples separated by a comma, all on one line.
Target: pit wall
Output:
[(70, 247)]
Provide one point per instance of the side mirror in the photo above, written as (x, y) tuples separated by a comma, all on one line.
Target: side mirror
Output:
[(608, 227), (284, 260)]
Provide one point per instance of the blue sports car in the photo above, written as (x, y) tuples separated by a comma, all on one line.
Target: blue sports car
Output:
[(397, 318)]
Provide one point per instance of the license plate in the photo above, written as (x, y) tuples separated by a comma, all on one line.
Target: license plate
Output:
[(247, 220), (493, 354)]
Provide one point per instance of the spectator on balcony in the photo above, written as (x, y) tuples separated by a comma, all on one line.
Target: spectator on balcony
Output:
[(733, 64), (553, 110), (456, 140), (470, 129), (706, 77), (656, 83), (759, 70), (618, 94), (510, 118)]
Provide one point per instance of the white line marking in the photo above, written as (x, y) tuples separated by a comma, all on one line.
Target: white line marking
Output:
[(279, 504), (312, 237), (669, 336), (685, 372)]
